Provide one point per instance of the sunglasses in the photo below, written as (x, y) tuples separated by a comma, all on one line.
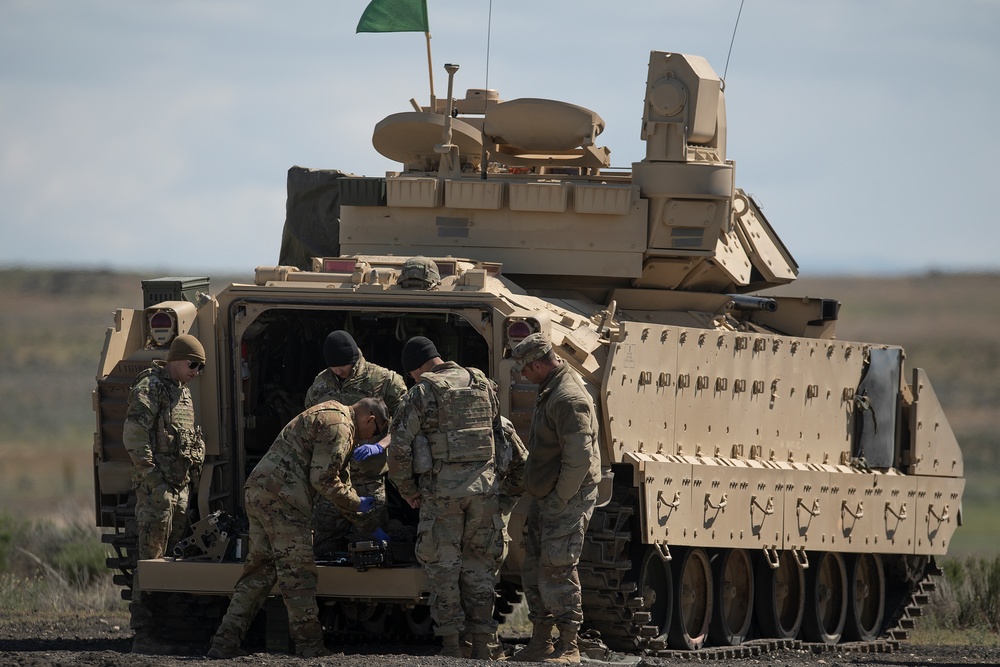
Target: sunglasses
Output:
[(196, 366)]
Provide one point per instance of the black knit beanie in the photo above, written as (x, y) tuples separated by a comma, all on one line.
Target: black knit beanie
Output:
[(417, 352), (340, 349)]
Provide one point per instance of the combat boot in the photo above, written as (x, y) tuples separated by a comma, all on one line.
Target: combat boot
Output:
[(313, 651), (482, 645), (223, 650), (567, 650), (147, 643), (465, 641), (450, 646), (540, 646)]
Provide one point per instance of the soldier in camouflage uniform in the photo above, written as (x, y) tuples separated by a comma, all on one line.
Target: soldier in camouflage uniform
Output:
[(561, 478), (442, 460), (167, 452), (348, 378), (310, 456)]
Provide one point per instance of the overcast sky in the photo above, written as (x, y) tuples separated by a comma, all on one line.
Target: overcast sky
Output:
[(156, 135)]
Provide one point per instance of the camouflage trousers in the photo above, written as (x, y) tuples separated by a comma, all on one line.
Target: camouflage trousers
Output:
[(459, 545), (280, 551), (161, 519), (333, 531), (553, 544)]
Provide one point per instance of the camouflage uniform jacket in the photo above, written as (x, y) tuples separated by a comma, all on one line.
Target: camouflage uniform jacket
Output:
[(454, 408), (366, 380), (310, 456), (159, 432), (562, 449)]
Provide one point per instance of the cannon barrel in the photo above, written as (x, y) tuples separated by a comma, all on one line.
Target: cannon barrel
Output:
[(743, 302)]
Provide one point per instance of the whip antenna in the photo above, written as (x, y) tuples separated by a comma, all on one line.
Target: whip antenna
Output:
[(486, 90), (726, 71)]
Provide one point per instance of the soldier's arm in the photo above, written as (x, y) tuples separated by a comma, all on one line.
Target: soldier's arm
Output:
[(312, 395), (405, 427), (393, 392), (512, 484), (329, 473), (574, 428), (140, 421)]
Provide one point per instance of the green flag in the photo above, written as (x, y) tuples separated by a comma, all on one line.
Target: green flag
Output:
[(394, 16)]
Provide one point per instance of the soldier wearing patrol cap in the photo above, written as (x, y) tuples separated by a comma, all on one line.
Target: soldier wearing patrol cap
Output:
[(560, 477), (167, 451)]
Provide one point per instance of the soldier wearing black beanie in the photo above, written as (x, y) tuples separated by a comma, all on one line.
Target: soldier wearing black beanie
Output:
[(340, 349), (417, 352)]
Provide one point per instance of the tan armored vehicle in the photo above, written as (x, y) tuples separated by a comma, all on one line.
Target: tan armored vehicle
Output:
[(763, 479)]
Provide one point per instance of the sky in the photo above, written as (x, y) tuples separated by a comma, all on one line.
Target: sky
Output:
[(156, 135)]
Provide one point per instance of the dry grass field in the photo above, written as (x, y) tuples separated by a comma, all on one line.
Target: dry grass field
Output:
[(52, 326)]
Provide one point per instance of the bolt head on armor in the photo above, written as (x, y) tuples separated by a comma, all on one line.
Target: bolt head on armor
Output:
[(530, 349)]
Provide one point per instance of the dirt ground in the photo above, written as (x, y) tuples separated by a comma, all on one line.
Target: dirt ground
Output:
[(95, 641)]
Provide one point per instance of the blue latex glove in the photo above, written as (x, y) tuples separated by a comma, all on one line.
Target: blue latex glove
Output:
[(380, 534), (367, 503), (362, 452)]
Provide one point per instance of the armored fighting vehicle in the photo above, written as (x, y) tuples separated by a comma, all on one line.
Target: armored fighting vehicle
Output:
[(762, 478)]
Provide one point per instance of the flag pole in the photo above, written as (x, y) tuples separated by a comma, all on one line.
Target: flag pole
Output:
[(430, 71)]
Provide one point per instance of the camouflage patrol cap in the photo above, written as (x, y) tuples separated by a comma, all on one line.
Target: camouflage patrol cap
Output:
[(532, 348), (419, 272), (187, 348)]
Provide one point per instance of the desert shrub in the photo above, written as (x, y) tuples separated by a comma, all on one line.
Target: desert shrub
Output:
[(59, 566), (967, 595)]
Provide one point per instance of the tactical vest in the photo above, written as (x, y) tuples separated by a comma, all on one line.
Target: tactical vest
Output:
[(464, 431), (177, 441)]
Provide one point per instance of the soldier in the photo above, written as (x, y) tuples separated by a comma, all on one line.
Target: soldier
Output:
[(561, 478), (310, 456), (348, 378), (167, 451), (441, 460)]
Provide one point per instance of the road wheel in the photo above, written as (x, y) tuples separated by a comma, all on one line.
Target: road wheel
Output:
[(732, 607), (826, 599), (692, 600), (865, 597), (779, 598)]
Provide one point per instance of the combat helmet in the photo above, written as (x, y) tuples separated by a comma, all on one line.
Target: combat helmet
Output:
[(421, 272)]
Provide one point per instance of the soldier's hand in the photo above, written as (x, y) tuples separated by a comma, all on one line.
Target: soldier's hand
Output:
[(414, 501), (367, 504), (362, 452)]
